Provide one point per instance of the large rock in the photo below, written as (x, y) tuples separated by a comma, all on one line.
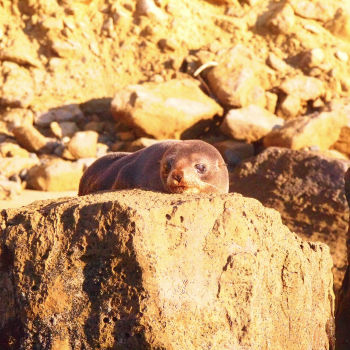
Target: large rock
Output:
[(249, 123), (240, 79), (163, 110), (343, 309), (141, 270), (307, 189), (318, 129)]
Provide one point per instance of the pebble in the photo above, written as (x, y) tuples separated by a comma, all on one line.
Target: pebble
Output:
[(342, 56)]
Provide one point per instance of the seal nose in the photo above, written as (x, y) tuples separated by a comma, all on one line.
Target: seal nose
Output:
[(177, 176)]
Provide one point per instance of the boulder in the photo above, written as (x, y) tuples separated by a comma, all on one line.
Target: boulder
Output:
[(240, 79), (249, 123), (143, 270), (163, 110), (307, 189), (55, 175), (317, 129)]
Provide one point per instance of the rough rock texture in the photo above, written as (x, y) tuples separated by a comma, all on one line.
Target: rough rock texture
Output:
[(343, 307), (163, 110), (249, 123), (318, 129), (140, 270), (308, 191)]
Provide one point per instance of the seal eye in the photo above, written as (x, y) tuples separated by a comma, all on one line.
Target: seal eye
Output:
[(201, 168), (167, 166)]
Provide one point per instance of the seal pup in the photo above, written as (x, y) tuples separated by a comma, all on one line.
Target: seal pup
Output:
[(171, 166)]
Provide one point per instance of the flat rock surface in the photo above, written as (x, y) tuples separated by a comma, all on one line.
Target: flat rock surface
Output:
[(141, 270)]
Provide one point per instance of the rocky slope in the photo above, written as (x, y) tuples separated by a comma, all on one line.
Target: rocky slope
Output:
[(142, 270)]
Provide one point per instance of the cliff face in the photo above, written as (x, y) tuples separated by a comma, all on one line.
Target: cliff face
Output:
[(139, 270)]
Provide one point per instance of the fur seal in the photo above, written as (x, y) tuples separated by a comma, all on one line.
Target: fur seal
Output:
[(172, 166)]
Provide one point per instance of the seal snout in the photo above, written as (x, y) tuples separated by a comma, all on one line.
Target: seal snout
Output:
[(177, 176)]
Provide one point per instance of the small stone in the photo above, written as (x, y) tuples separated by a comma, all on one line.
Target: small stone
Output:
[(148, 8), (317, 10), (271, 101), (17, 117), (71, 112), (167, 44), (249, 123), (342, 56), (10, 166), (31, 139), (63, 129), (55, 175), (318, 129), (303, 87), (11, 149), (277, 63), (282, 20), (318, 103), (83, 144), (66, 49), (9, 189), (290, 107), (312, 58)]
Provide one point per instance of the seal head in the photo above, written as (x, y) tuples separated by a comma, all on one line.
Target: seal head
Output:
[(193, 166)]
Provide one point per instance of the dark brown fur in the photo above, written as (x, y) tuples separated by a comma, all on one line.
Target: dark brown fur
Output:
[(145, 169)]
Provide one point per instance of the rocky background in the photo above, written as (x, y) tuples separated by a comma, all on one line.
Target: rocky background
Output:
[(267, 82)]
